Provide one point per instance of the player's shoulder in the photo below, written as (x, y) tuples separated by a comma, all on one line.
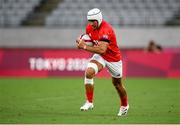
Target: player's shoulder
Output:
[(106, 27)]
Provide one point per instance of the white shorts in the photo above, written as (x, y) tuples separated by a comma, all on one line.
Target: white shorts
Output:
[(114, 68)]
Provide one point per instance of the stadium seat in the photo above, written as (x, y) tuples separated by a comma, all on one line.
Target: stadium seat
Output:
[(70, 13), (117, 12), (14, 11)]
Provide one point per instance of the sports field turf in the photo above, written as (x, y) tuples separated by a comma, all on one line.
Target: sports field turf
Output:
[(57, 100)]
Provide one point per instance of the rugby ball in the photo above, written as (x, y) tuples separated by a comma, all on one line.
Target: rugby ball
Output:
[(87, 39)]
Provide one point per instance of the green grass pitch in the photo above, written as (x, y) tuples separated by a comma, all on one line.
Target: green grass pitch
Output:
[(57, 100)]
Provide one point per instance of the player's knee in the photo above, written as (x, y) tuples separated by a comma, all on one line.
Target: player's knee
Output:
[(92, 70), (116, 82), (90, 73)]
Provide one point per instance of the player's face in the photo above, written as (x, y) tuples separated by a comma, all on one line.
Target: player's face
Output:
[(93, 23)]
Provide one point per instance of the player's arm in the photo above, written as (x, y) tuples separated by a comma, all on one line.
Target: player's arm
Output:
[(100, 49)]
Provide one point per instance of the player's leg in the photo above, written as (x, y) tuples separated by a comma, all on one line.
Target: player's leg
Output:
[(115, 69), (117, 82), (94, 66)]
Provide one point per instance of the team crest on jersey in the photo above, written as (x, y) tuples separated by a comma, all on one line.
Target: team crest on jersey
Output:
[(105, 36)]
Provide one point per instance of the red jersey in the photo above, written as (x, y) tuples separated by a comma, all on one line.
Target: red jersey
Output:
[(105, 33)]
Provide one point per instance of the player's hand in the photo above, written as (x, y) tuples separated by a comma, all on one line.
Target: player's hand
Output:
[(77, 43), (80, 44)]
